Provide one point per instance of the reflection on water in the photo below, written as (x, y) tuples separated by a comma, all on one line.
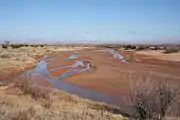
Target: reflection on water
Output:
[(77, 67), (115, 54)]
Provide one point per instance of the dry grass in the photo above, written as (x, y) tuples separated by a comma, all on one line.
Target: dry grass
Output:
[(77, 112), (36, 91), (5, 55), (41, 103), (63, 107)]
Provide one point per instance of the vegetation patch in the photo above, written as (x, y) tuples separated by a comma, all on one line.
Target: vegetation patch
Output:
[(130, 47), (172, 49), (36, 91), (153, 103)]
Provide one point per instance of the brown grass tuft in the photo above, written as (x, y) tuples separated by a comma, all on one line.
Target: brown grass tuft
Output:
[(36, 91)]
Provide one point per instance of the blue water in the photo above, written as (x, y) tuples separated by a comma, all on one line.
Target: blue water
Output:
[(41, 70), (115, 54)]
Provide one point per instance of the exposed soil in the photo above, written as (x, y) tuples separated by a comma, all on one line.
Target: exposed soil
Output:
[(107, 74), (16, 61), (111, 75)]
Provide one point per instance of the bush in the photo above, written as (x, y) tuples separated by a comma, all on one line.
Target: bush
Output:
[(14, 46), (172, 49), (152, 104), (130, 47), (4, 46), (36, 91), (26, 45)]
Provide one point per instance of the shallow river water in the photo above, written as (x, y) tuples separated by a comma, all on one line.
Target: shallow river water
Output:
[(79, 66)]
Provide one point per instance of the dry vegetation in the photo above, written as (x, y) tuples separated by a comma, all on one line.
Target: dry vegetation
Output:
[(15, 61), (165, 48), (40, 103), (154, 101), (151, 101), (15, 58), (35, 102)]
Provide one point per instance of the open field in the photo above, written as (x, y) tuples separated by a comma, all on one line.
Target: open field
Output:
[(106, 74), (114, 77)]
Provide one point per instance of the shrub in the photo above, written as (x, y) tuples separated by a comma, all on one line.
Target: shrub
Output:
[(4, 46), (36, 91), (172, 49), (26, 45), (130, 47), (14, 46), (152, 104)]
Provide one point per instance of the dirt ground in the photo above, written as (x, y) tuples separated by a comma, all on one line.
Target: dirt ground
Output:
[(113, 77), (162, 56), (15, 61), (107, 75)]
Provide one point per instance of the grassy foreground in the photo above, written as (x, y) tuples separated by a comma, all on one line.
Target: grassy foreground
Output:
[(29, 101), (18, 104)]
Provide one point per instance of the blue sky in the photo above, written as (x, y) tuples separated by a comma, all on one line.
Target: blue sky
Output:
[(122, 21)]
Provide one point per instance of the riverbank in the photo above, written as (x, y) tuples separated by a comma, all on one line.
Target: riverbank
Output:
[(16, 61), (18, 104), (108, 76)]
